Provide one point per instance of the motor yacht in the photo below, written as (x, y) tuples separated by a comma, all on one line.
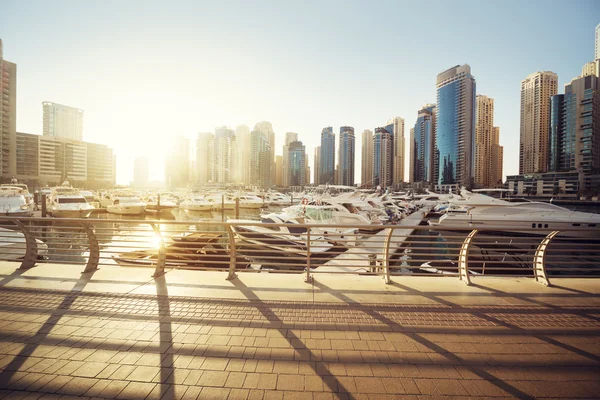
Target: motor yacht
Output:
[(196, 202), (250, 202), (166, 203), (13, 202), (24, 189), (91, 198), (67, 202), (125, 202), (278, 199), (341, 214), (221, 202)]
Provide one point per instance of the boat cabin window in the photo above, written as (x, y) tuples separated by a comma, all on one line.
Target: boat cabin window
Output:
[(533, 225), (319, 214), (576, 224), (539, 225), (545, 225), (351, 208), (72, 200), (591, 225)]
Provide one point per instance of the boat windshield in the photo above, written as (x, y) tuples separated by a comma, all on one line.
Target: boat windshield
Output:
[(66, 200), (319, 213), (11, 201)]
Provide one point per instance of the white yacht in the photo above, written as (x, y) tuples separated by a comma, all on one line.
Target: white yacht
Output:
[(278, 199), (125, 202), (24, 189), (67, 202), (250, 201), (344, 214), (13, 202), (221, 202), (167, 202), (196, 202), (91, 198)]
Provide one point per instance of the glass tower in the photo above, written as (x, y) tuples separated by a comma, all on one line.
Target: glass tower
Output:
[(296, 163), (423, 145), (327, 164), (382, 158), (346, 156)]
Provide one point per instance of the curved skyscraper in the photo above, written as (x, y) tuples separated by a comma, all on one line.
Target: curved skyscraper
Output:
[(455, 135), (422, 147)]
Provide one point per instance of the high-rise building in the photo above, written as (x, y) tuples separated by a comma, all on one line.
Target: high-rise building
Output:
[(497, 175), (296, 164), (591, 68), (279, 170), (307, 170), (8, 117), (266, 128), (317, 165), (27, 157), (260, 159), (289, 138), (205, 157), (62, 121), (597, 41), (63, 159), (327, 163), (455, 126), (574, 140), (422, 147), (346, 156), (177, 171), (536, 91), (366, 170), (383, 158), (101, 166), (222, 155), (396, 127), (141, 172), (486, 144), (241, 154)]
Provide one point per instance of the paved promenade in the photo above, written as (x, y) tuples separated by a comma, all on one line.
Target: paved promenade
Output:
[(119, 333)]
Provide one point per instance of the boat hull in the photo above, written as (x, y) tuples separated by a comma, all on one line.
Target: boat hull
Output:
[(122, 209), (71, 213)]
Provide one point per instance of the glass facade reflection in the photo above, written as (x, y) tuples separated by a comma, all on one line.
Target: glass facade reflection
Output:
[(423, 146), (382, 157), (346, 156), (327, 163), (556, 131), (297, 163)]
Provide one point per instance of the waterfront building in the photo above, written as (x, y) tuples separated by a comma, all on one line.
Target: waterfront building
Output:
[(487, 146), (455, 126), (27, 158), (536, 91), (267, 129), (8, 117), (260, 159), (205, 157), (141, 172), (177, 171), (346, 156), (395, 126), (366, 170), (101, 166), (296, 164), (222, 155), (62, 121), (383, 158), (422, 166), (317, 165), (327, 163), (279, 170), (62, 159), (289, 138), (242, 154)]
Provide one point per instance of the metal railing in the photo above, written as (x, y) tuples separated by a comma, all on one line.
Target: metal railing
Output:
[(309, 249)]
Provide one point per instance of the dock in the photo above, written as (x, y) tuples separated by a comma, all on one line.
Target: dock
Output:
[(358, 257)]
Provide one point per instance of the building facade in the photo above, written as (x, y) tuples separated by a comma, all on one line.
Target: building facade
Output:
[(177, 168), (366, 169), (101, 166), (242, 154), (141, 172), (8, 118), (422, 147), (396, 127), (487, 147), (205, 143), (327, 163), (222, 155), (536, 91), (260, 159), (296, 164), (28, 168), (597, 42), (289, 138), (455, 126), (346, 153), (317, 165), (383, 158), (267, 129), (62, 121)]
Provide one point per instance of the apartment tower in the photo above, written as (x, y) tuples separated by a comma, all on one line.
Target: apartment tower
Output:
[(366, 170), (8, 117), (346, 156), (422, 146), (327, 156), (396, 127), (62, 121), (536, 91)]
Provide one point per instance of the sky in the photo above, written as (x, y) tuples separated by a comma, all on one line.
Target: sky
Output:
[(144, 71)]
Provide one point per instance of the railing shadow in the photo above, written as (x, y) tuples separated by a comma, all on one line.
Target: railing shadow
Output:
[(166, 338)]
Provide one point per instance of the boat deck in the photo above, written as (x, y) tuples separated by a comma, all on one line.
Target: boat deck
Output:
[(119, 333)]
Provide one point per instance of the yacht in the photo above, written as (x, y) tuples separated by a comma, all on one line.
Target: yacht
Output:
[(24, 189), (278, 199), (13, 202), (125, 202), (196, 202), (67, 202), (166, 203), (341, 214), (250, 201), (221, 202), (91, 198)]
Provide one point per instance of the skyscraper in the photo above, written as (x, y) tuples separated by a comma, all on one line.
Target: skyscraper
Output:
[(455, 126), (222, 155), (536, 91), (289, 138), (486, 144), (8, 117), (422, 151), (497, 159), (205, 157), (366, 170), (141, 172), (260, 159), (62, 121), (396, 127), (317, 165), (177, 172), (266, 128), (327, 163), (296, 164), (346, 156), (242, 154), (383, 158), (597, 49)]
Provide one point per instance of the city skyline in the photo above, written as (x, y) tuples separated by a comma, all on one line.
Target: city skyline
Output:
[(128, 121)]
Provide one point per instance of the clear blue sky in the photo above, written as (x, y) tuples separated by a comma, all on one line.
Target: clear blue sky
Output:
[(144, 71)]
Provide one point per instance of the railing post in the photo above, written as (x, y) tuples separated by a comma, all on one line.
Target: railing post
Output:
[(232, 254), (308, 278), (31, 250), (162, 256), (539, 260), (94, 256), (386, 256), (463, 258)]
